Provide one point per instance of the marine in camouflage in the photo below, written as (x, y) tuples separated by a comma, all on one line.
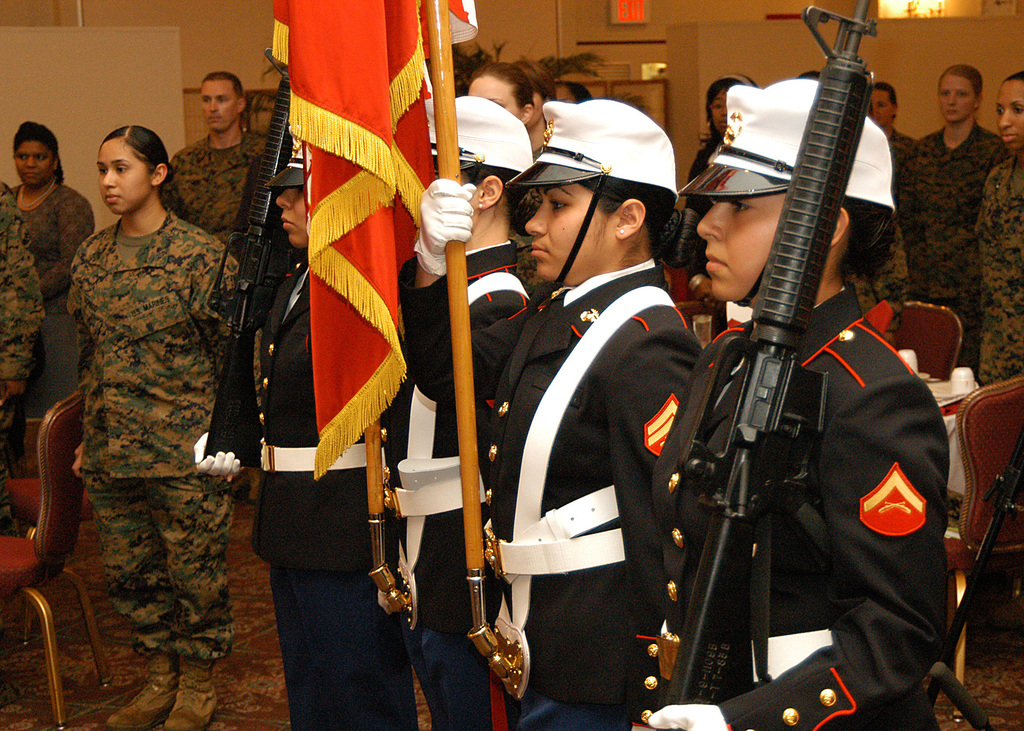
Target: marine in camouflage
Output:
[(206, 187), (150, 344), (1001, 239), (163, 545), (21, 313), (939, 199)]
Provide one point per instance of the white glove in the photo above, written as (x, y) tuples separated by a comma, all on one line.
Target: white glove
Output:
[(446, 214), (690, 717), (223, 464), (382, 600)]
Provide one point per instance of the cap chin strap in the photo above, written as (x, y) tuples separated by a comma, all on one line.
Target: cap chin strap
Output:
[(749, 297), (571, 259)]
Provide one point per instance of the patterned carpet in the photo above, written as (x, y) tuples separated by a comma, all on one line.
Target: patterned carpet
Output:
[(249, 683)]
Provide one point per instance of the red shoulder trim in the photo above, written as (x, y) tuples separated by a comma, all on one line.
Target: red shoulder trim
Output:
[(642, 322), (728, 330), (518, 313), (884, 342), (849, 697), (827, 349)]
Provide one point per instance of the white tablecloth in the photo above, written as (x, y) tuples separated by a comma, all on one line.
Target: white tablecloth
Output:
[(942, 392)]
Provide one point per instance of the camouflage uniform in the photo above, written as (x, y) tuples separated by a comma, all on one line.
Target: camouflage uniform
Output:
[(1001, 238), (21, 312), (939, 199), (150, 343), (206, 188)]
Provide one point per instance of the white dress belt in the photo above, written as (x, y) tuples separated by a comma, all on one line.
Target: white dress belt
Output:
[(430, 486), (301, 459), (788, 651), (554, 545)]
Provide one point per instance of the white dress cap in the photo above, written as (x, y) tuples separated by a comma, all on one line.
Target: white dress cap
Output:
[(488, 134), (762, 141), (602, 136)]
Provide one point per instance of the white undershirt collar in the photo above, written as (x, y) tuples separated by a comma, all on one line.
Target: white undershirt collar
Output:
[(596, 281)]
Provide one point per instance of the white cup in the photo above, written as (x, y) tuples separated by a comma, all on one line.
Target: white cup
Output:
[(909, 357), (961, 381)]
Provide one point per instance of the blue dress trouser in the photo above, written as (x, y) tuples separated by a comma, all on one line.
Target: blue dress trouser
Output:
[(345, 666), (540, 713)]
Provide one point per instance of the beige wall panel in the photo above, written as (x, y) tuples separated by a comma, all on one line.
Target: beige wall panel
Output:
[(107, 77), (225, 35)]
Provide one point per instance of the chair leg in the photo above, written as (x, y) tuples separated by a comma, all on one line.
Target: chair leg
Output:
[(50, 651), (27, 624), (102, 668), (960, 657)]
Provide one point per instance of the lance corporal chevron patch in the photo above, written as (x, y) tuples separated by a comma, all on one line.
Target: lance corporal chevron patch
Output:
[(656, 430), (894, 508)]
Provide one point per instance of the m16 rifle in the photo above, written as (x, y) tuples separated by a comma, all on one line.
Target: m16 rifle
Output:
[(779, 411), (235, 425)]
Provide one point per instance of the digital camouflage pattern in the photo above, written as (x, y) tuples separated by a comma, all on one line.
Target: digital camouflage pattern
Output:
[(206, 187), (890, 283), (150, 343), (163, 545), (939, 199), (21, 312), (1001, 238)]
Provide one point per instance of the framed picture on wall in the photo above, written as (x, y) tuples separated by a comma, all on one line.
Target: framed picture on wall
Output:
[(649, 96)]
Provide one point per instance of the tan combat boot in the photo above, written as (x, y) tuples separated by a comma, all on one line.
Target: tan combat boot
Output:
[(196, 698), (152, 705)]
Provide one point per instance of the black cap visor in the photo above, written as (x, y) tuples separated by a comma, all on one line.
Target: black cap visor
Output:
[(290, 177), (545, 174), (722, 181)]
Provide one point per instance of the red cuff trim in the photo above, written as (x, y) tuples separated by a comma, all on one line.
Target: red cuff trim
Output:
[(848, 697)]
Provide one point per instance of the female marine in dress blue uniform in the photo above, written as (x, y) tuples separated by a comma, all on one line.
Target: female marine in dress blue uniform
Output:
[(605, 340), (345, 667), (860, 613), (422, 439)]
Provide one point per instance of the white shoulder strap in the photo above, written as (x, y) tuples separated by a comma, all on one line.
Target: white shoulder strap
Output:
[(496, 282), (548, 418)]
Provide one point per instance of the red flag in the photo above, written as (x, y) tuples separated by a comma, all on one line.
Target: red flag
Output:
[(357, 77)]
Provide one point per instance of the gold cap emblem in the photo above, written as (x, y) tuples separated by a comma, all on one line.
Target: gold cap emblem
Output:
[(549, 130), (479, 157), (735, 125)]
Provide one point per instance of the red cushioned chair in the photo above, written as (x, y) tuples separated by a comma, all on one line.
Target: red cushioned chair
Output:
[(27, 564), (935, 333), (988, 423), (27, 494)]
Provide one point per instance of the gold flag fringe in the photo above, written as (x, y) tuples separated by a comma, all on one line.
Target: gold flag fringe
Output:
[(279, 46), (407, 86), (364, 408), (342, 138), (374, 396), (408, 185), (344, 209)]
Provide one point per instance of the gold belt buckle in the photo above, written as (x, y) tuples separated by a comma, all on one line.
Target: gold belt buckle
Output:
[(492, 552), (269, 465)]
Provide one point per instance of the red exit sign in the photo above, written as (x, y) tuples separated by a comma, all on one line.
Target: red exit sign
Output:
[(628, 11)]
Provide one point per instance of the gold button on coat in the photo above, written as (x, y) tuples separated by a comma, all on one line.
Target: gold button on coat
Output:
[(492, 453), (503, 409), (827, 697), (266, 382), (646, 716), (672, 590), (383, 434), (261, 417), (650, 682), (790, 717), (270, 348), (677, 537), (673, 482), (652, 649), (845, 336)]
